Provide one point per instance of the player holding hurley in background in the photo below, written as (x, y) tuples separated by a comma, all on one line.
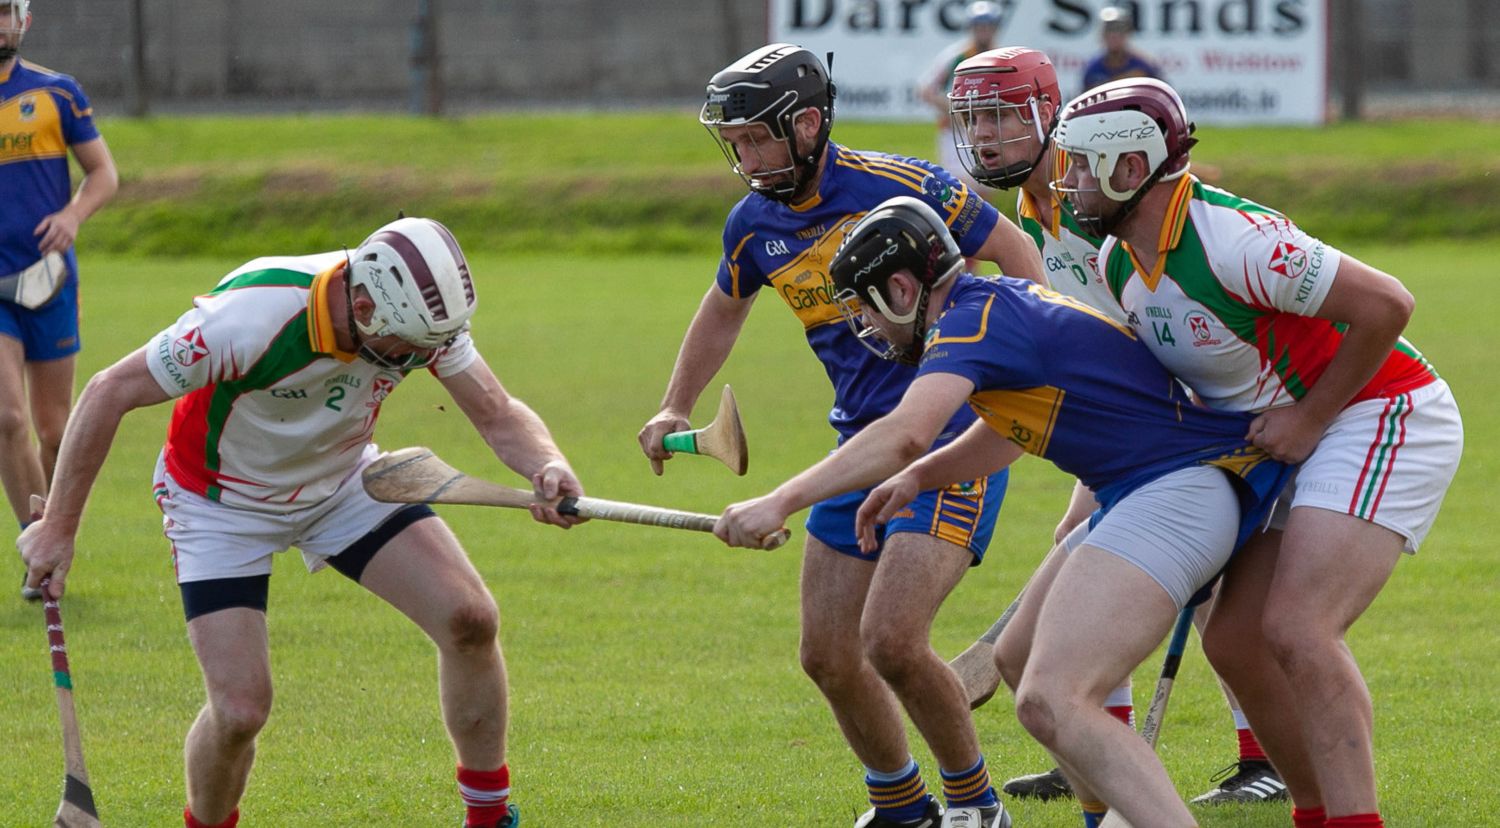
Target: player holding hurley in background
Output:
[(1004, 105), (865, 613), (280, 373), (1256, 315), (43, 115)]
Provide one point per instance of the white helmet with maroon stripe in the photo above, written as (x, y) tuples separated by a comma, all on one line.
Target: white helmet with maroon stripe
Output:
[(419, 281)]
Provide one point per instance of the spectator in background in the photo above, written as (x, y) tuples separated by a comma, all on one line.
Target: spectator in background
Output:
[(983, 23), (43, 114), (1118, 60)]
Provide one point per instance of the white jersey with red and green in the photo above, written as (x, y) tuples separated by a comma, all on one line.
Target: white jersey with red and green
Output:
[(1070, 255), (1229, 306), (272, 416)]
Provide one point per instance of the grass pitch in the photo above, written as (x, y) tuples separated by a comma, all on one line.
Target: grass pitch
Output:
[(654, 673)]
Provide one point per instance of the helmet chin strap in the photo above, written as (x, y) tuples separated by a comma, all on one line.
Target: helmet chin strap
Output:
[(912, 353)]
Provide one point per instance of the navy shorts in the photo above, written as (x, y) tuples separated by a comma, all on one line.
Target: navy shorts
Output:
[(49, 332), (962, 514)]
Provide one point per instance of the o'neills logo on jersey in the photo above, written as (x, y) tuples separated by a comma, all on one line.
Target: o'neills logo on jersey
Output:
[(1289, 260), (189, 348), (1201, 329)]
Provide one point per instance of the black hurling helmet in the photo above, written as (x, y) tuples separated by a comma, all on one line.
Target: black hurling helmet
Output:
[(903, 233), (771, 86)]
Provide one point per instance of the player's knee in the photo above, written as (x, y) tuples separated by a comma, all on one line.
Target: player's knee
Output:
[(826, 665), (1036, 709), (49, 434), (14, 424), (474, 624), (240, 716), (892, 650)]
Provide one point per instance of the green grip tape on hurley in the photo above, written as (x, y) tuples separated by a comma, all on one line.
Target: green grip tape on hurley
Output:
[(684, 441)]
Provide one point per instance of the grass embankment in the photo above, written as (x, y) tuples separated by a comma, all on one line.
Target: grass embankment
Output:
[(653, 182)]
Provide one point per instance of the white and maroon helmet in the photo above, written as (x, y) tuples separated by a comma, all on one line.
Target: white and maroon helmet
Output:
[(419, 280)]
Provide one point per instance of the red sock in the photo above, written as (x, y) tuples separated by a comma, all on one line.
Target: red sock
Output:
[(1355, 821), (1124, 712), (191, 821), (1250, 749), (1309, 817), (485, 794)]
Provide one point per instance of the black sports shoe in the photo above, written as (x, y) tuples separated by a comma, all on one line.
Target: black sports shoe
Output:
[(1042, 787), (512, 820), (1248, 780), (931, 819)]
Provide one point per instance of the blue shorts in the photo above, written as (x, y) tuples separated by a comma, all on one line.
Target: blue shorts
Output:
[(962, 514), (49, 332)]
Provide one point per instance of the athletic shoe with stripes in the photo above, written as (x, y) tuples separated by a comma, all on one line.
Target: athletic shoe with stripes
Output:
[(931, 819), (971, 816), (512, 820), (1039, 786), (1248, 780)]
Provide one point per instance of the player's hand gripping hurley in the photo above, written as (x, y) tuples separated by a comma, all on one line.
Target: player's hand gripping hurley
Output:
[(77, 807), (416, 475)]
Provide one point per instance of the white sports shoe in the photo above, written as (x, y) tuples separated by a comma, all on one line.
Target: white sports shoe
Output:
[(972, 816)]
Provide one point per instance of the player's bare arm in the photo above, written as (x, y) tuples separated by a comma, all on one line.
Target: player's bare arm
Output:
[(709, 339), (100, 181), (47, 545), (1017, 255), (879, 450), (978, 452), (1376, 307), (518, 437)]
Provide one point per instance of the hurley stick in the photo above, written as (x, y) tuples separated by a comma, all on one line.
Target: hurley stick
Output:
[(723, 439)]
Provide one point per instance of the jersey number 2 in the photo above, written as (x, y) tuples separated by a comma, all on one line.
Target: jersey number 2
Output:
[(335, 394)]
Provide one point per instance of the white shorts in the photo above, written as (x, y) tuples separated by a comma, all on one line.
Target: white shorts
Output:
[(1179, 529), (1387, 460), (211, 540)]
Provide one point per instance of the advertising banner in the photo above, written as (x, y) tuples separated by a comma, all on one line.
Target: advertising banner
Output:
[(1233, 61)]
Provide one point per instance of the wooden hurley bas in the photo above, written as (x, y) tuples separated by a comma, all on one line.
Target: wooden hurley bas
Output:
[(723, 439)]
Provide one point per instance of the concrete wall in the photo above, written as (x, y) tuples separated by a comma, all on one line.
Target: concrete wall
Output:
[(276, 54)]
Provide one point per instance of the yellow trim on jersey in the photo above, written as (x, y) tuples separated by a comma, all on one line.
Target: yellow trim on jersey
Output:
[(320, 330), (908, 174), (1171, 234), (1240, 461), (734, 268), (812, 201), (984, 325), (1027, 206), (1047, 294), (1025, 416)]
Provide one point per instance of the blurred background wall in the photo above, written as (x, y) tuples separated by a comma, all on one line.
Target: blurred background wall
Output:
[(182, 55)]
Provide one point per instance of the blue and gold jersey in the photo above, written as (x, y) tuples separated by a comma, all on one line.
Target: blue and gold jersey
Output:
[(42, 113), (787, 248), (1066, 383)]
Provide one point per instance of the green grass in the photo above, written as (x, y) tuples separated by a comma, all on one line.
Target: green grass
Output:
[(614, 184), (654, 673)]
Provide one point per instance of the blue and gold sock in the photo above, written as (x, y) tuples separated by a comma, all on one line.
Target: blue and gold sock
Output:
[(969, 788), (900, 796), (1093, 813)]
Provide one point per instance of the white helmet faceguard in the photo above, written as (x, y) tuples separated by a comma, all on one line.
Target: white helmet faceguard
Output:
[(15, 16), (419, 281)]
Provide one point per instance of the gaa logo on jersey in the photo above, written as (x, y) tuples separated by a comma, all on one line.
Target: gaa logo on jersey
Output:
[(1289, 260), (189, 348), (938, 189), (1201, 329)]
